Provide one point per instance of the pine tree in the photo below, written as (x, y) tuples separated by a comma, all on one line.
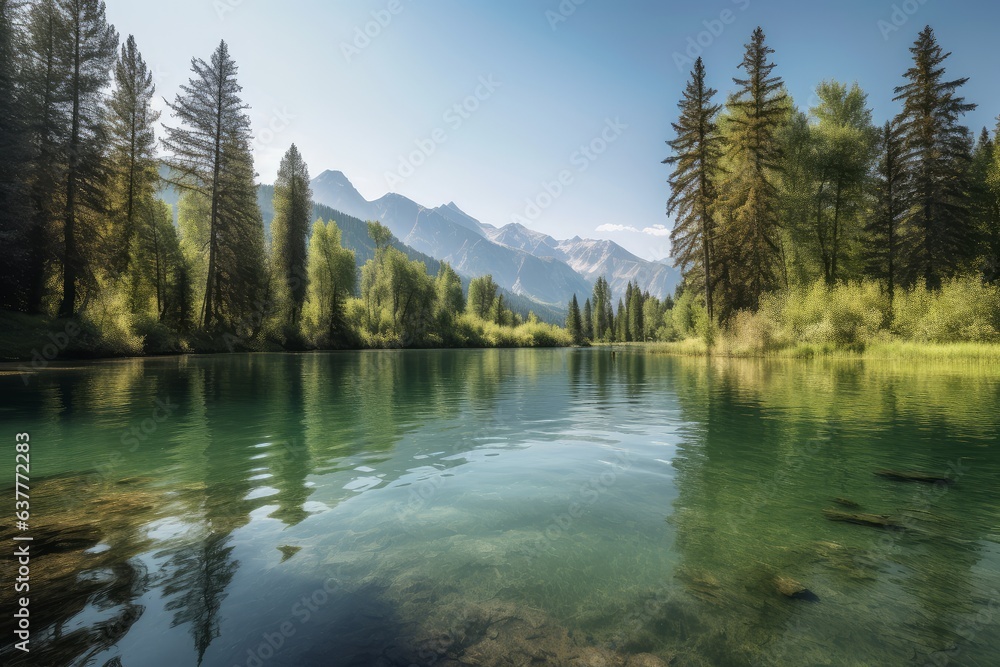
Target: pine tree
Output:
[(990, 223), (697, 153), (602, 309), (984, 205), (46, 99), (133, 163), (621, 323), (882, 240), (588, 321), (210, 156), (14, 147), (938, 230), (163, 265), (289, 230), (92, 48), (635, 308), (574, 325), (749, 237)]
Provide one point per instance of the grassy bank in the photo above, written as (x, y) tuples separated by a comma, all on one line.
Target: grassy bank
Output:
[(960, 321), (43, 338), (889, 350)]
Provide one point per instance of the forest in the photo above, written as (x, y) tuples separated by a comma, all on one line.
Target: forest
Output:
[(792, 226), (93, 252), (817, 228)]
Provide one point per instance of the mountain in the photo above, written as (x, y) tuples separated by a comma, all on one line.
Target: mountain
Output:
[(537, 271), (447, 233), (593, 259), (518, 236)]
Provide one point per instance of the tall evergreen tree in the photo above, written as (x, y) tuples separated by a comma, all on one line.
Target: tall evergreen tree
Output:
[(92, 47), (14, 149), (574, 323), (602, 309), (289, 230), (882, 232), (984, 200), (697, 151), (990, 218), (163, 265), (636, 325), (938, 232), (210, 156), (133, 164), (749, 238), (46, 99), (621, 324), (588, 321)]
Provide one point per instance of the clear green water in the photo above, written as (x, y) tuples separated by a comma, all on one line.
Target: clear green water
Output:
[(506, 507)]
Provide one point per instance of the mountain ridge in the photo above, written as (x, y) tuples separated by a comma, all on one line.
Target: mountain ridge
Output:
[(521, 260)]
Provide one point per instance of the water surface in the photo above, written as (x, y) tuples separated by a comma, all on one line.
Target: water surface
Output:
[(477, 507)]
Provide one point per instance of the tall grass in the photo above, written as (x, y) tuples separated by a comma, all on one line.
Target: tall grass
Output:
[(961, 320)]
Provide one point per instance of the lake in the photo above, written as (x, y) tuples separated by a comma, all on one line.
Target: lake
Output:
[(576, 507)]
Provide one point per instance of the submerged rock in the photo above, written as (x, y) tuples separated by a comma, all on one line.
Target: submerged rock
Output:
[(791, 588), (910, 476), (863, 519), (848, 503)]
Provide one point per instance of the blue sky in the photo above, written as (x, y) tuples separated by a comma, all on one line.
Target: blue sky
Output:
[(546, 90)]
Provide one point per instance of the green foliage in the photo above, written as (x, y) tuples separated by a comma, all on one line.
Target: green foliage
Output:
[(133, 169), (748, 250), (483, 293), (82, 228), (399, 297), (938, 234), (852, 316), (961, 311), (289, 229), (332, 278), (602, 311), (210, 155), (574, 322), (697, 153)]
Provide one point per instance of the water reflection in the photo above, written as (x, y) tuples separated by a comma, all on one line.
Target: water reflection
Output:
[(560, 505)]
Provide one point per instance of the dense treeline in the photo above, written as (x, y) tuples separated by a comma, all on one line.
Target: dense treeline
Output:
[(820, 224), (817, 226), (88, 238)]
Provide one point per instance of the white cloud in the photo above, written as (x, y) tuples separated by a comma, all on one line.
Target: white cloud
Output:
[(655, 230), (616, 228)]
